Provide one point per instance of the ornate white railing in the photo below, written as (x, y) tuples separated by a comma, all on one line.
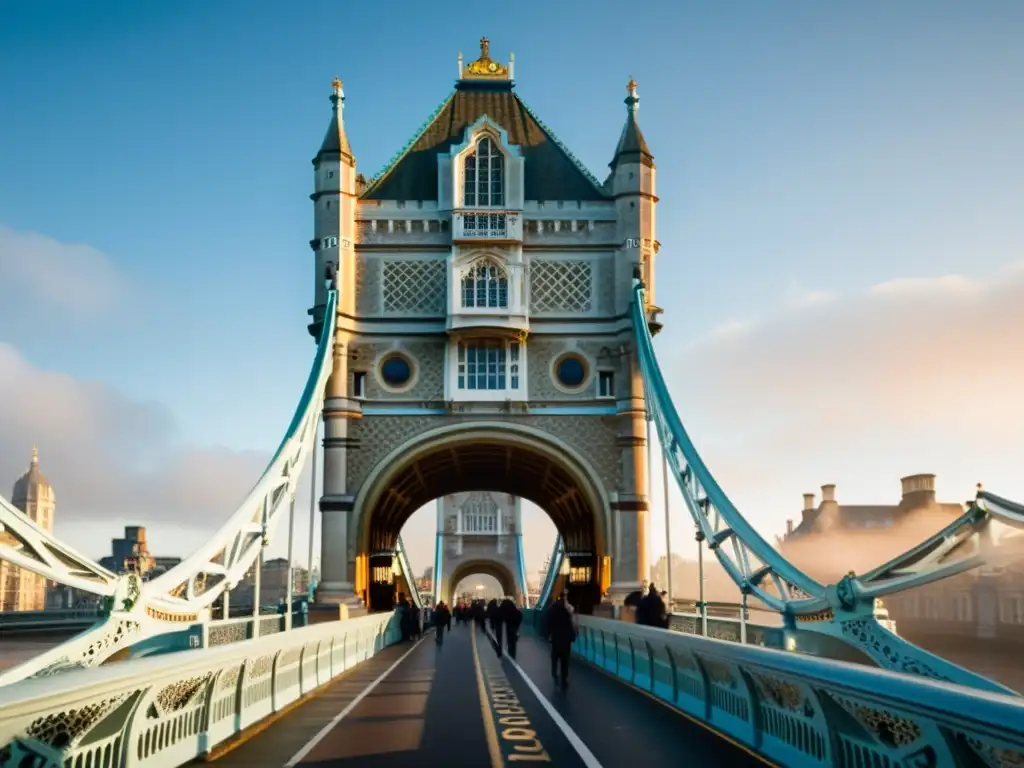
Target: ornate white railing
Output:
[(168, 710), (798, 710), (181, 597)]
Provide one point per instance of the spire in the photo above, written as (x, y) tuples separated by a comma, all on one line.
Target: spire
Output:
[(336, 142), (632, 145)]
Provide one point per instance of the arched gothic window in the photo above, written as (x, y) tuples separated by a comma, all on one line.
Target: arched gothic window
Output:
[(480, 515), (485, 285), (484, 177)]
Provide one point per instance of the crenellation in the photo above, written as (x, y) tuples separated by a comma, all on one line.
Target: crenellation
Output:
[(561, 232)]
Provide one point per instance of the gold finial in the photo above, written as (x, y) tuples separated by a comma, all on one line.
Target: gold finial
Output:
[(35, 456), (337, 85), (484, 67), (979, 487), (631, 85)]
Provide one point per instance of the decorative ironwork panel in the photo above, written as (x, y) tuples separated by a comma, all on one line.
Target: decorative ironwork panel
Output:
[(415, 286), (561, 286)]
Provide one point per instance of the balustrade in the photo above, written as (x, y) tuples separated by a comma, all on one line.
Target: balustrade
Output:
[(487, 225), (799, 710), (168, 710)]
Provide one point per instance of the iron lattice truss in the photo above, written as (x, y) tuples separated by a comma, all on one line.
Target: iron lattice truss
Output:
[(180, 597), (845, 609)]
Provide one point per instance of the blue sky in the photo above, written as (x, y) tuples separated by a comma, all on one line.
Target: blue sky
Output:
[(803, 149)]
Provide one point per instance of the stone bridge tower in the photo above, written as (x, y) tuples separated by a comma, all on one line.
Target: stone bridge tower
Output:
[(484, 338), (479, 532)]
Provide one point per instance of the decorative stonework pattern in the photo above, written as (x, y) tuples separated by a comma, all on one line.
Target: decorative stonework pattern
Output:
[(64, 730), (540, 354), (178, 694), (604, 282), (592, 437), (892, 729), (414, 287), (428, 357), (606, 354), (223, 634), (368, 287), (563, 287)]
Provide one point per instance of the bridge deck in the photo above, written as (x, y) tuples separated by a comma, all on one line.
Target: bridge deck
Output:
[(460, 705)]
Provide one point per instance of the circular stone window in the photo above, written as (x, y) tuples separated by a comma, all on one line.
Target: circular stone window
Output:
[(395, 371), (571, 371)]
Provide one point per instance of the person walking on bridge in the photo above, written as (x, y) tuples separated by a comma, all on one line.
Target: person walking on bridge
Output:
[(512, 618), (495, 622), (561, 632), (442, 621), (652, 612)]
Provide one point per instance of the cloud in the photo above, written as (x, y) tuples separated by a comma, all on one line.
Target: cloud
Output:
[(70, 276), (114, 460), (915, 375)]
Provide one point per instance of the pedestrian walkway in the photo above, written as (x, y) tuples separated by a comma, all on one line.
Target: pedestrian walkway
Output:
[(458, 704)]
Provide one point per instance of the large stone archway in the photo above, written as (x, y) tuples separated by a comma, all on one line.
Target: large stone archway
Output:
[(492, 568), (495, 456)]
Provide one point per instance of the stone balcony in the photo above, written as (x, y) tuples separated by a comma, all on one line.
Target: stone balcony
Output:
[(487, 226)]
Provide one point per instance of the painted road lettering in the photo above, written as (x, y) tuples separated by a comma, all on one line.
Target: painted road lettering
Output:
[(519, 741)]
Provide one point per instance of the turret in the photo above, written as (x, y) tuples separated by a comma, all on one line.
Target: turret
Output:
[(334, 212), (632, 185)]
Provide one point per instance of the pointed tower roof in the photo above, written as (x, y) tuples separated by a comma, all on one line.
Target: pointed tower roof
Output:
[(31, 485), (632, 146), (335, 141), (485, 88)]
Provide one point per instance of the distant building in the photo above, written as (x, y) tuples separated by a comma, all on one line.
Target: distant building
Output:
[(917, 501), (21, 590), (273, 583), (131, 553), (975, 618)]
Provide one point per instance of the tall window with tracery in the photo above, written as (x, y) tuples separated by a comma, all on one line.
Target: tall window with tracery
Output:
[(485, 285), (483, 182)]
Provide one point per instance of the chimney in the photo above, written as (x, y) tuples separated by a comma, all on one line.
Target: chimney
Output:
[(808, 501), (918, 490), (789, 527), (828, 492)]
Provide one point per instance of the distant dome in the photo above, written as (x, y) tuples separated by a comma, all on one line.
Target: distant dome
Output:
[(33, 485)]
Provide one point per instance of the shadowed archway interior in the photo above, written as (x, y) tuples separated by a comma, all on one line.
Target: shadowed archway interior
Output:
[(490, 568), (484, 465)]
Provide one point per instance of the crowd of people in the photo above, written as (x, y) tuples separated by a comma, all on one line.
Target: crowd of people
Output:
[(559, 624)]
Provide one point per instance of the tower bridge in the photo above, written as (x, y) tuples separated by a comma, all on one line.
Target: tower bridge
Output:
[(484, 311)]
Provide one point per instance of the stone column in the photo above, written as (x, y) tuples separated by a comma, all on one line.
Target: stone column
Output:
[(631, 508), (337, 557)]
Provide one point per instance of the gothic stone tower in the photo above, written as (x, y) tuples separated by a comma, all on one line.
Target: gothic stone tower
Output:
[(478, 533), (484, 341), (22, 590)]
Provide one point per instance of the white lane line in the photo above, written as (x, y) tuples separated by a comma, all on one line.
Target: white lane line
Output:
[(301, 754), (577, 743)]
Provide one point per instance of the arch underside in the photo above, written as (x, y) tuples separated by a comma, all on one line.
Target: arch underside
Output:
[(498, 571), (486, 464)]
